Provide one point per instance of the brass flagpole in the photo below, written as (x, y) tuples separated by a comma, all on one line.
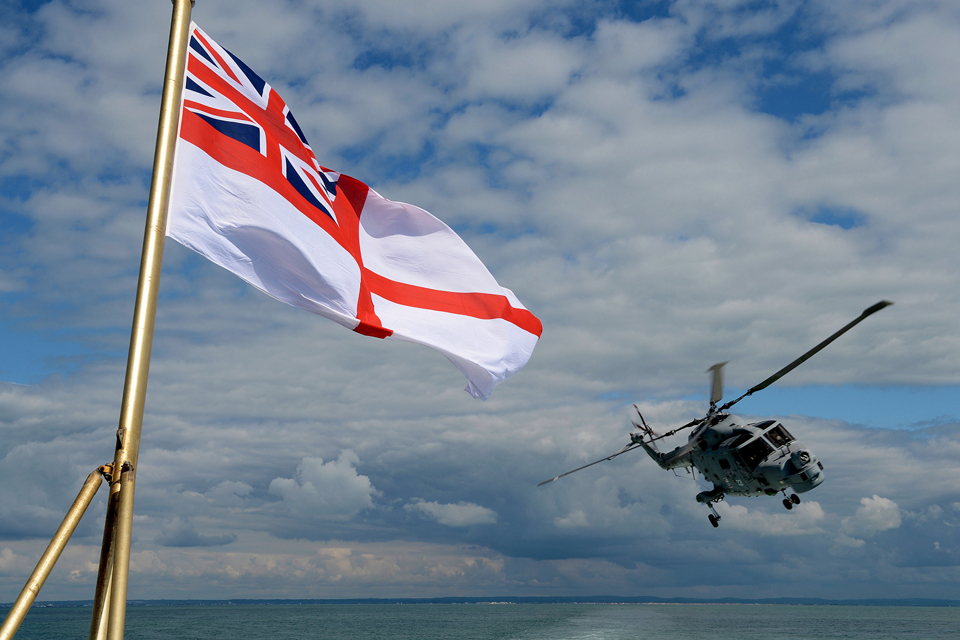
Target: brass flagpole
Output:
[(144, 315)]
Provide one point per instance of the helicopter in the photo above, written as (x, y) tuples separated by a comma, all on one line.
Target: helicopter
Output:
[(739, 458)]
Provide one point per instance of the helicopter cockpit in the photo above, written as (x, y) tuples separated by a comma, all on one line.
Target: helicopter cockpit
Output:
[(777, 460), (777, 435)]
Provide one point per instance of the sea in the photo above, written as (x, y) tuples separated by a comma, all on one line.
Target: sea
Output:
[(562, 621)]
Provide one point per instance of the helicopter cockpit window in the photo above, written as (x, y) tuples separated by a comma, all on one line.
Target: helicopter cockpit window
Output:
[(734, 442), (753, 453), (779, 436)]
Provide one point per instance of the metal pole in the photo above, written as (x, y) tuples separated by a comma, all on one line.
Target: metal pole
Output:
[(50, 556), (104, 573), (104, 613), (121, 558), (144, 314)]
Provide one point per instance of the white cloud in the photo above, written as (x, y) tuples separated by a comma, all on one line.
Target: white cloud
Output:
[(528, 68), (574, 519), (933, 513), (843, 541), (805, 519), (229, 493), (326, 490), (875, 515), (12, 563), (462, 514), (180, 532), (627, 47), (618, 176)]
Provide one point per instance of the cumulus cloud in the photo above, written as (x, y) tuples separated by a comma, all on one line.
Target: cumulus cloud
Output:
[(462, 514), (844, 541), (875, 515), (576, 518), (805, 519), (182, 533), (12, 563), (933, 513), (229, 493), (326, 490)]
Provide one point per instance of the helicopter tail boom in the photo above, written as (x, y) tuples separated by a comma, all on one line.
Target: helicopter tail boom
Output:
[(626, 448), (679, 457)]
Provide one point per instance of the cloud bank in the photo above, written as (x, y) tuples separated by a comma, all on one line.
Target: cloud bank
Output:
[(666, 185)]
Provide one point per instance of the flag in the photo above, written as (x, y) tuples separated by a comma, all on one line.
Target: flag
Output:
[(249, 195)]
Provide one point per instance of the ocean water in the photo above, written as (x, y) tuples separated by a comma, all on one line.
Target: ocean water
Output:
[(505, 621)]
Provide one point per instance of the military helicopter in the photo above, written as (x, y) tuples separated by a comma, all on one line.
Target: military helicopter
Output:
[(759, 458)]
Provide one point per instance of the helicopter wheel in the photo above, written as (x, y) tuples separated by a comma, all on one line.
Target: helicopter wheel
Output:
[(794, 498), (788, 503), (714, 520)]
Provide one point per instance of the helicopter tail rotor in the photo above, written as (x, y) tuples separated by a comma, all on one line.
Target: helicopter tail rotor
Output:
[(644, 428)]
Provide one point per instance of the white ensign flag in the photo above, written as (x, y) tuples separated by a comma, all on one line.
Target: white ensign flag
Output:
[(249, 195)]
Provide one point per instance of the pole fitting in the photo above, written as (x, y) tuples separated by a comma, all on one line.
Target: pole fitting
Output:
[(106, 472)]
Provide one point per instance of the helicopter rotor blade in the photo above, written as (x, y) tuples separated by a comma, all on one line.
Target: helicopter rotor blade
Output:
[(629, 447), (809, 354)]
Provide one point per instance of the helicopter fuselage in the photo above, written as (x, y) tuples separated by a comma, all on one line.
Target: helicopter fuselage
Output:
[(742, 459)]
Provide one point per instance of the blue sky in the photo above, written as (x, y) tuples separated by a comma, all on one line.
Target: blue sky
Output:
[(666, 185)]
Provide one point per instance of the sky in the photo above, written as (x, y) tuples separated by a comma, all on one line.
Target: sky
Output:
[(666, 185)]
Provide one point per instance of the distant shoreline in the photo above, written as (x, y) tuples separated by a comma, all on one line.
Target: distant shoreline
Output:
[(501, 600)]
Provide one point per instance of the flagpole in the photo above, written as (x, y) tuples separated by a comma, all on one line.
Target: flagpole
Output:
[(144, 315)]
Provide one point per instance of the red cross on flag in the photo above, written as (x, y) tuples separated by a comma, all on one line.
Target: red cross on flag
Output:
[(249, 195)]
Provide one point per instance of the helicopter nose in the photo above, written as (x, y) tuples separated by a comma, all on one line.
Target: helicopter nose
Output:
[(806, 471), (810, 478), (816, 479)]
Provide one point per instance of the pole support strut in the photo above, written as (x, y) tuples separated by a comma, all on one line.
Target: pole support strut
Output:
[(49, 558)]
